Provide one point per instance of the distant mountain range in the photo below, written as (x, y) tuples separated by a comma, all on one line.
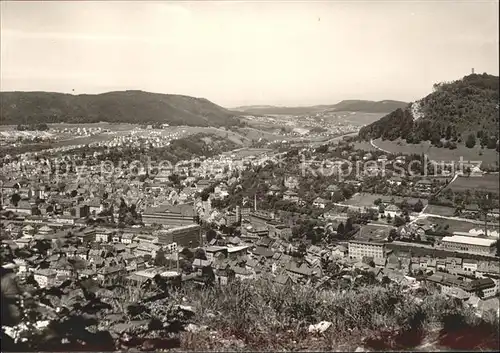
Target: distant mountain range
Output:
[(365, 106), (123, 106), (456, 112)]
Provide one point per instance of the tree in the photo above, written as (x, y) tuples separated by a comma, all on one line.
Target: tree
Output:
[(448, 132), (348, 225), (471, 141), (419, 206), (200, 254), (301, 250), (160, 259), (15, 198), (340, 229), (211, 234), (398, 221), (393, 234)]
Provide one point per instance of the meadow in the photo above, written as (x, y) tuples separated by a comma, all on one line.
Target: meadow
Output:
[(440, 210), (455, 225), (487, 156), (367, 199), (486, 182)]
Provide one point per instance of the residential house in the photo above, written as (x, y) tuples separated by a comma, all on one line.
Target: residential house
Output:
[(103, 235), (392, 210), (86, 236), (242, 273), (116, 238), (332, 189), (127, 238), (314, 251), (147, 249), (211, 251), (274, 190), (45, 277), (340, 252), (108, 274), (283, 279), (395, 181), (320, 202), (234, 252), (291, 182), (424, 185), (299, 272), (260, 251), (28, 230), (290, 195), (453, 265)]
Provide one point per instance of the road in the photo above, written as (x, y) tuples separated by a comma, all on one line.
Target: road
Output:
[(380, 149)]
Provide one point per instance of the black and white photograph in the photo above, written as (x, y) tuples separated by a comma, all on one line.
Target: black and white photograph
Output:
[(245, 176)]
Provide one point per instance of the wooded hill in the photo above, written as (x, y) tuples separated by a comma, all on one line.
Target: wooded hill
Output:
[(463, 111), (123, 106)]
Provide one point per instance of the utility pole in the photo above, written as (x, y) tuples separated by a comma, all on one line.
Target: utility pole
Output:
[(177, 259), (485, 209)]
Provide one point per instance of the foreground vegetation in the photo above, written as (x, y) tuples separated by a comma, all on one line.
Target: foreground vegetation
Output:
[(250, 315)]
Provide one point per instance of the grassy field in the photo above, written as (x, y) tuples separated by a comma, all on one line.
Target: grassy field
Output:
[(366, 199), (488, 157), (440, 210), (487, 182), (245, 152), (364, 146), (461, 226)]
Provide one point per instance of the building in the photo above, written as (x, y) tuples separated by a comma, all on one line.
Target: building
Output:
[(82, 211), (453, 286), (234, 252), (254, 232), (473, 245), (103, 235), (171, 215), (45, 277), (86, 236), (211, 251), (260, 217), (320, 203), (291, 196), (187, 235), (359, 249), (423, 185), (279, 231)]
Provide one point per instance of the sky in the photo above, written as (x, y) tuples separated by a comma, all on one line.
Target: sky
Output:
[(247, 53)]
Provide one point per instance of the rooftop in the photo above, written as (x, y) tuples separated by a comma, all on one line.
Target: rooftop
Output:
[(459, 239)]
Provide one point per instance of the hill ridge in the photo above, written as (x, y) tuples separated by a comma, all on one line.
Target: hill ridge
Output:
[(131, 106), (357, 105)]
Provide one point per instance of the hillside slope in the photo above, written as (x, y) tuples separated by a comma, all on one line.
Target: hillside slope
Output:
[(123, 106), (385, 106), (456, 112)]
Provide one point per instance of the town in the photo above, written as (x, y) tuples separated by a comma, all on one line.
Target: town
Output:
[(225, 217), (249, 176)]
